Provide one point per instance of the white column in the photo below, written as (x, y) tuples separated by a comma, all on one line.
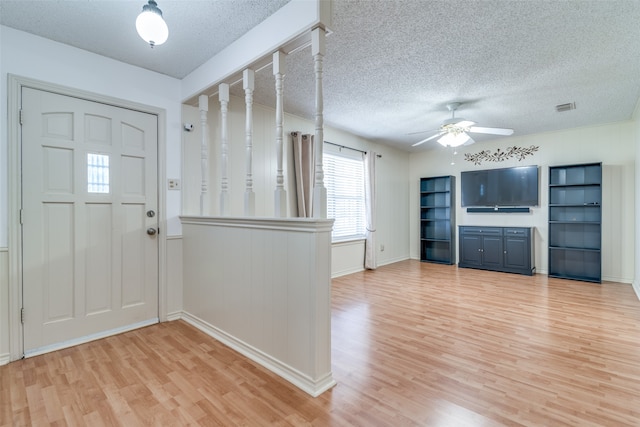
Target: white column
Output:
[(203, 106), (248, 83), (280, 197), (319, 190), (223, 95)]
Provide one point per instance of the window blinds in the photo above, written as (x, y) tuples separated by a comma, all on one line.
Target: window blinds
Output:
[(344, 181)]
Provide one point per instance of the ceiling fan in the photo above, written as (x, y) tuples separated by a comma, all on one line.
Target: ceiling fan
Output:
[(455, 131)]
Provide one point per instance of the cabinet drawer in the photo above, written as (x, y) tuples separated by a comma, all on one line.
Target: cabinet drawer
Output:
[(493, 231), (516, 232)]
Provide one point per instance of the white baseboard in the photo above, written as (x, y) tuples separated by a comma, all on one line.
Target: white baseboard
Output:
[(393, 260), (313, 387), (359, 269), (5, 358), (636, 288), (345, 272), (626, 281), (176, 315)]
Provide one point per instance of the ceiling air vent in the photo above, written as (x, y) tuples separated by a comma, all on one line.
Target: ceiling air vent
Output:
[(565, 107)]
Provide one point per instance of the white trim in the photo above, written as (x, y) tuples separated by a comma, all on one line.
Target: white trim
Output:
[(360, 267), (392, 260), (348, 241), (295, 377), (162, 212), (307, 225), (175, 315), (636, 288), (89, 338), (4, 357), (617, 280), (14, 100), (14, 130), (336, 274)]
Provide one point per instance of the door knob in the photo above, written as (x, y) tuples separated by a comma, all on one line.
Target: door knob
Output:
[(151, 231)]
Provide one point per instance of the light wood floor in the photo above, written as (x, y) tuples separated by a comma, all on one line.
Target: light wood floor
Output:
[(414, 344)]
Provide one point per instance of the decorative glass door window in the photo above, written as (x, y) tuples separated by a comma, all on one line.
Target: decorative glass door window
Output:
[(97, 173)]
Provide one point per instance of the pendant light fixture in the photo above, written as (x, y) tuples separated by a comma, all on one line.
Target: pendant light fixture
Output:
[(150, 25)]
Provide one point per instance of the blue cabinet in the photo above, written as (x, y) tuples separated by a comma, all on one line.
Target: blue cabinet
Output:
[(506, 249)]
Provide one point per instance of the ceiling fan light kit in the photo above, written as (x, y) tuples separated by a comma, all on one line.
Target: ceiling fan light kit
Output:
[(452, 139), (151, 26), (455, 131)]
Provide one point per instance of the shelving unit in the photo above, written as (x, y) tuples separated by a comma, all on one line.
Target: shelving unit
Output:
[(575, 215), (437, 224)]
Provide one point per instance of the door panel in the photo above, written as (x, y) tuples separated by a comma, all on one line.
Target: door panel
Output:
[(89, 176), (470, 248), (492, 251), (516, 253)]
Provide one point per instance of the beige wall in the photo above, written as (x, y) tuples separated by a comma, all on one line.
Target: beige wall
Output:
[(612, 144)]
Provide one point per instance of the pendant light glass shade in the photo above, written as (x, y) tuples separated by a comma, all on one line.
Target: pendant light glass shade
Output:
[(454, 139), (150, 25)]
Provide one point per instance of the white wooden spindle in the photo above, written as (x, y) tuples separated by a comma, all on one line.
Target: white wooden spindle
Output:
[(203, 106), (248, 83), (280, 198), (223, 95), (319, 190)]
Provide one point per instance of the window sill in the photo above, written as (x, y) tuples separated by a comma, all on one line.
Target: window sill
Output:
[(346, 242)]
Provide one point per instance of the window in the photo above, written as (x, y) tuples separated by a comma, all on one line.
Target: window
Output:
[(97, 173), (344, 180)]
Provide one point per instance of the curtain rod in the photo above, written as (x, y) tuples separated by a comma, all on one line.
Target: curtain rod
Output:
[(349, 148)]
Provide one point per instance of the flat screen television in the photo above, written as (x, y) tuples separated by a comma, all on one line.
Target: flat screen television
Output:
[(509, 187)]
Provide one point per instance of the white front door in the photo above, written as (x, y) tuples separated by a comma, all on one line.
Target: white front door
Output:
[(89, 211)]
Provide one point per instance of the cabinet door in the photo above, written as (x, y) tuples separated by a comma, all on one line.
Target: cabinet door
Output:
[(516, 252), (471, 250), (492, 251)]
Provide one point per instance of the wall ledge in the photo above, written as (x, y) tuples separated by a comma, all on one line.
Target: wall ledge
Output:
[(309, 225)]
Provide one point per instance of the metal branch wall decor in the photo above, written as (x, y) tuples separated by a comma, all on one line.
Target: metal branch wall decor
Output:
[(519, 153)]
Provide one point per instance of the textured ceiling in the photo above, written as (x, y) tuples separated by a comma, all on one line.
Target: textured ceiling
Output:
[(198, 29), (393, 65)]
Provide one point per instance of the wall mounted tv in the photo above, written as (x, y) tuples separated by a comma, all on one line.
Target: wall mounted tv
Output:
[(508, 187)]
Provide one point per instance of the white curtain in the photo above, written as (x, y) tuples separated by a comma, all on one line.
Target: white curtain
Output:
[(370, 254), (304, 165)]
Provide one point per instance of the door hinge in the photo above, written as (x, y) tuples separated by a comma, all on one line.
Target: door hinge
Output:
[(20, 116), (21, 223), (22, 315)]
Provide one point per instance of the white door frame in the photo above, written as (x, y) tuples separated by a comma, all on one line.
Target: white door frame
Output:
[(14, 90)]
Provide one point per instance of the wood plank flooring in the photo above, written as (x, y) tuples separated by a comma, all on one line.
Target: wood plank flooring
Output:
[(414, 344)]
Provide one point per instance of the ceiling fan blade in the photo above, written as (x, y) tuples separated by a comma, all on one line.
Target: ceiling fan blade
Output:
[(428, 139), (422, 131), (491, 131)]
